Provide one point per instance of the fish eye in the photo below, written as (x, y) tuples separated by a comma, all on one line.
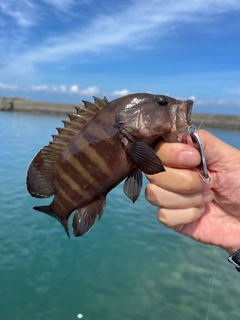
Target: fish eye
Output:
[(162, 100)]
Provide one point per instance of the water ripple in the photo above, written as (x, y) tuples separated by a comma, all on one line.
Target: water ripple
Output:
[(127, 267)]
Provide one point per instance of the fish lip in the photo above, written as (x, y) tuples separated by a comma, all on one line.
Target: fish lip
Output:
[(183, 137), (189, 111), (183, 117), (181, 121)]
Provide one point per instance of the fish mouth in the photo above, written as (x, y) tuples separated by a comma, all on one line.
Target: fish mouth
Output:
[(183, 119), (182, 112), (183, 115), (189, 111)]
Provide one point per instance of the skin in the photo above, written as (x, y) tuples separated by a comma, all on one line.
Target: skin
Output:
[(209, 213)]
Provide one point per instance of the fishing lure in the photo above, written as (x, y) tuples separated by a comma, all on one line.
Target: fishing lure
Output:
[(193, 132)]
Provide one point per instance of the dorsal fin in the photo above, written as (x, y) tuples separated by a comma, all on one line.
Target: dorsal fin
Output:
[(61, 137), (83, 112), (42, 169), (70, 124), (101, 103), (67, 131), (90, 107)]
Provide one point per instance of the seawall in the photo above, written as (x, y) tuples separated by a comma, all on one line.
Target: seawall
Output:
[(26, 105)]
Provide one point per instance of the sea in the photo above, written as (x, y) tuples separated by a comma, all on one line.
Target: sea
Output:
[(128, 267)]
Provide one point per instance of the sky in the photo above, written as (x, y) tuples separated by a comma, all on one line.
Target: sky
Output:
[(69, 50)]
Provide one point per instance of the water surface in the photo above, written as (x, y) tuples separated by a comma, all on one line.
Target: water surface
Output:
[(128, 267)]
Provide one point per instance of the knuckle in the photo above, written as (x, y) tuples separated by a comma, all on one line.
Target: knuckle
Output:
[(189, 181), (163, 217), (150, 194)]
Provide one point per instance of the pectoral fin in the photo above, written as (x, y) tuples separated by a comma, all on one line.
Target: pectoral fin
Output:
[(133, 184), (144, 157), (84, 217)]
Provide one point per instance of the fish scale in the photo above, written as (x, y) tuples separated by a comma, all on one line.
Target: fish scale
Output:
[(102, 144)]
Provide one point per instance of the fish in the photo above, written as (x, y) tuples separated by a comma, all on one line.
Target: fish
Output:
[(102, 144)]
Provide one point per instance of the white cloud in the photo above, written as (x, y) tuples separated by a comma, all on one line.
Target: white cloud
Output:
[(199, 102), (22, 11), (63, 88), (137, 22), (90, 91), (40, 88), (119, 93), (210, 103), (221, 102), (5, 86), (196, 101), (74, 89), (192, 98), (234, 90), (62, 5), (26, 13)]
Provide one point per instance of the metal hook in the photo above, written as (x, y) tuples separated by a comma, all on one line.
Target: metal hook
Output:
[(192, 130)]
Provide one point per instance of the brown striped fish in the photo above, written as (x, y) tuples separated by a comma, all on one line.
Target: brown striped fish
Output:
[(102, 144)]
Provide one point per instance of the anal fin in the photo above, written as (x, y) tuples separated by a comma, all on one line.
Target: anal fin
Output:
[(84, 217)]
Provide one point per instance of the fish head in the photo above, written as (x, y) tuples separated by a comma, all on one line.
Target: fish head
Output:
[(147, 117)]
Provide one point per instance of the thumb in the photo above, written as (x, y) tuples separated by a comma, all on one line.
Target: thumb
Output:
[(177, 155), (217, 153)]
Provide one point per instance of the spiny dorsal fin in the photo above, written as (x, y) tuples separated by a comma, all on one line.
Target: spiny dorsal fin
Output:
[(83, 112), (41, 172), (90, 107), (76, 118), (67, 131), (61, 137), (101, 103), (69, 124), (72, 125)]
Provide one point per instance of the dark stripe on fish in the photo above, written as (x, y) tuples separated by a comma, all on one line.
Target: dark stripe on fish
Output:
[(97, 149)]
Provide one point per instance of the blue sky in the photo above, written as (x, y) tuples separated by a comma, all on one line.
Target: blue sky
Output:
[(69, 50)]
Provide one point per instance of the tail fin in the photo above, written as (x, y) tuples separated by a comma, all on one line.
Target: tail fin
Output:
[(47, 210)]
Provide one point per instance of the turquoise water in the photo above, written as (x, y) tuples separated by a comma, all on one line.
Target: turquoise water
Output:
[(128, 267)]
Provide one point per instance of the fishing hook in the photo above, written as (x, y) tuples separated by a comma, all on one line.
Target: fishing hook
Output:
[(205, 177)]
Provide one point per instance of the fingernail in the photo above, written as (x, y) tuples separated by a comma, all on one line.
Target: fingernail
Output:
[(189, 157)]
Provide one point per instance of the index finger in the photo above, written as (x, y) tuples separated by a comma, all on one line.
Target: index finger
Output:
[(178, 180)]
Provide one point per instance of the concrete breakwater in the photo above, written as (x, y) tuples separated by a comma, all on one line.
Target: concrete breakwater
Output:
[(26, 105)]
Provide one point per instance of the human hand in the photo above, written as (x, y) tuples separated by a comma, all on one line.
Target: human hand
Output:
[(209, 213)]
